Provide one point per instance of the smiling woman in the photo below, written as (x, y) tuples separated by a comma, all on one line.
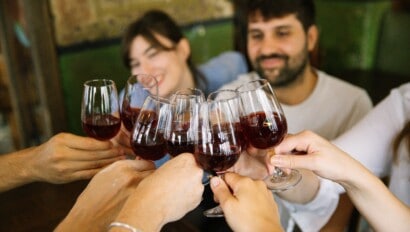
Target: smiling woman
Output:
[(154, 44)]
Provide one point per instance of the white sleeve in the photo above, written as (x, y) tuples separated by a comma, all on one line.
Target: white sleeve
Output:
[(370, 140), (315, 214)]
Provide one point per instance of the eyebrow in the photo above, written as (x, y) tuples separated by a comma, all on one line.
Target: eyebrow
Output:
[(251, 30)]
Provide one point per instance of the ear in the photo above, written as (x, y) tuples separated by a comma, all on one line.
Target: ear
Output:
[(184, 48), (312, 37)]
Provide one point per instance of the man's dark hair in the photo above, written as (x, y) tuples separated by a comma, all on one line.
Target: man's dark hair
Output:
[(269, 9)]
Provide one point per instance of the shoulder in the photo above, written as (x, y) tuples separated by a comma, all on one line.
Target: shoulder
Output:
[(401, 96), (339, 86), (230, 61), (223, 69), (242, 79)]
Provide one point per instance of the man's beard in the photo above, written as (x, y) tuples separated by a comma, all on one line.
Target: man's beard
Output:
[(286, 75)]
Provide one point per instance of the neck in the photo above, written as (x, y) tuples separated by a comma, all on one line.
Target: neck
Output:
[(300, 90)]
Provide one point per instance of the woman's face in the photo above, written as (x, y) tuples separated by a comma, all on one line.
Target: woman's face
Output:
[(169, 67)]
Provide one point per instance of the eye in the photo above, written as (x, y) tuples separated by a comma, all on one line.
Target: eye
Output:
[(134, 64), (255, 36), (282, 33)]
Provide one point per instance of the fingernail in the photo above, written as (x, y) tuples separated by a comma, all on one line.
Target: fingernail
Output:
[(215, 181)]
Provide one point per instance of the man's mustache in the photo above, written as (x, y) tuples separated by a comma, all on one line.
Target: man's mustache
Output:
[(274, 55)]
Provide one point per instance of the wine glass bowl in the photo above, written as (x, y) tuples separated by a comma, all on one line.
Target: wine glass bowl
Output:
[(137, 88), (264, 125), (100, 110), (147, 138), (180, 130)]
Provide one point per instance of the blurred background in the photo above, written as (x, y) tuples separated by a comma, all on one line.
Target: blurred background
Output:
[(48, 48)]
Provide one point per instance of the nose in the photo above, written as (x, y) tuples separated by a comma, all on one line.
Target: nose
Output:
[(269, 46)]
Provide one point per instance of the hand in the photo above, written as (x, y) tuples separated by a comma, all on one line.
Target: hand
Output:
[(167, 195), (320, 156), (105, 195), (122, 140), (249, 207), (67, 157), (252, 163)]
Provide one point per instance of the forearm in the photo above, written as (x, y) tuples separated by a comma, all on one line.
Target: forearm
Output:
[(138, 214), (15, 170), (377, 204), (305, 191)]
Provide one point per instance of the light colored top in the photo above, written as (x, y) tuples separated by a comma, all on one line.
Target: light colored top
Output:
[(333, 107), (223, 69), (370, 141)]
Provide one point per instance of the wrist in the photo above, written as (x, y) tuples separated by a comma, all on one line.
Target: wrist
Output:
[(28, 170), (141, 218)]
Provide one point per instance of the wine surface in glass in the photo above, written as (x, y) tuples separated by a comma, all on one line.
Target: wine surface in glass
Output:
[(264, 131), (101, 127)]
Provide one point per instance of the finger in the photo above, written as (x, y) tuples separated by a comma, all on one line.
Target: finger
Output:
[(232, 180), (79, 175), (76, 166), (85, 143), (221, 191), (93, 155), (293, 161), (299, 143)]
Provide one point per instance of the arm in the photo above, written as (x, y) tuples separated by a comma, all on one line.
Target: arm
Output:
[(104, 196), (63, 158), (371, 197), (166, 195), (248, 205)]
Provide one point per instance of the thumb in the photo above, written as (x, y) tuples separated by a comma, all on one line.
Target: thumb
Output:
[(220, 190)]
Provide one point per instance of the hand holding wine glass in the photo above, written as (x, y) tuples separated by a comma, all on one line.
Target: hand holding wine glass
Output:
[(264, 125), (100, 110)]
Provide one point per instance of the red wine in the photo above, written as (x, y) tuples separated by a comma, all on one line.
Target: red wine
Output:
[(150, 150), (146, 141), (263, 132), (176, 148), (240, 136), (215, 159), (179, 142), (129, 115), (101, 127)]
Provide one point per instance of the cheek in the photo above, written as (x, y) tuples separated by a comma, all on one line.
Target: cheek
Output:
[(252, 51)]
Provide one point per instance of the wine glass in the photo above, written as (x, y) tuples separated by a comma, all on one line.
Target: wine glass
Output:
[(180, 129), (137, 88), (218, 145), (264, 125), (147, 137), (99, 109)]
